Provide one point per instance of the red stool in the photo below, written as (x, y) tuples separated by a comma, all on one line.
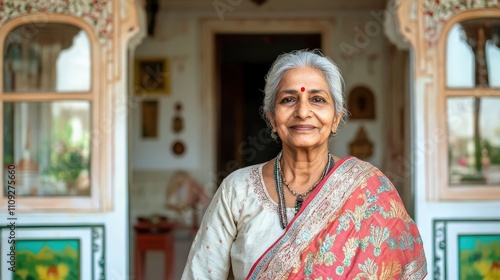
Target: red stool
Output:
[(154, 236)]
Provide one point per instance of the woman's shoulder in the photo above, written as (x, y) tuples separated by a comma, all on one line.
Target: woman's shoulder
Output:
[(362, 168), (242, 182), (359, 163), (243, 174), (353, 163)]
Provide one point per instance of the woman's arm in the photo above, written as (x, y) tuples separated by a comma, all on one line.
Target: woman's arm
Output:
[(209, 257)]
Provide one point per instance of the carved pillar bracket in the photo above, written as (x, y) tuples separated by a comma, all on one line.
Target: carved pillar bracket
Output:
[(392, 28)]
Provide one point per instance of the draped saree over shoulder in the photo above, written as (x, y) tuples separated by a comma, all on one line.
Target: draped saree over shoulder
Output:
[(353, 226)]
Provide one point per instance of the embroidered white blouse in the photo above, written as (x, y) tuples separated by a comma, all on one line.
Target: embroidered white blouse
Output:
[(239, 225)]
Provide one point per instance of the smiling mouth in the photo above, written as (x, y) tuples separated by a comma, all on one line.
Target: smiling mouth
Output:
[(302, 127)]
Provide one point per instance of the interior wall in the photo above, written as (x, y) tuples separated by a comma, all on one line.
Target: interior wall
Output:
[(178, 41), (360, 50)]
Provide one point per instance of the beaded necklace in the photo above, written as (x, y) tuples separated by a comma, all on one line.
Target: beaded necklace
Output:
[(279, 178)]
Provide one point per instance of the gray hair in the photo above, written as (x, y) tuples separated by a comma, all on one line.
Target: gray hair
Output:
[(303, 58)]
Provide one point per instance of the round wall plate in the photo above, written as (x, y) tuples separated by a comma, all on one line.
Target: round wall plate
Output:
[(178, 148)]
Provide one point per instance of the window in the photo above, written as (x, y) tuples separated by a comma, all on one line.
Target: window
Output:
[(49, 105), (472, 105)]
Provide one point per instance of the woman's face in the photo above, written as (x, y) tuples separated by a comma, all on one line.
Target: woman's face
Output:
[(304, 114)]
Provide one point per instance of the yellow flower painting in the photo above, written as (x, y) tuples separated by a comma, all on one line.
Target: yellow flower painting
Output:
[(479, 256), (47, 259)]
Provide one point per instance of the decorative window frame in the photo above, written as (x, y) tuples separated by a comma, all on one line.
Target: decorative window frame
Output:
[(462, 191), (101, 119), (425, 24)]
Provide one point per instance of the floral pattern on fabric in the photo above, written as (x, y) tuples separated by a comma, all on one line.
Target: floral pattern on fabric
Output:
[(258, 187), (369, 236)]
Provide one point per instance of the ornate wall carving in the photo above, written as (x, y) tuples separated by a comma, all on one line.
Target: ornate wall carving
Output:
[(97, 13), (437, 12)]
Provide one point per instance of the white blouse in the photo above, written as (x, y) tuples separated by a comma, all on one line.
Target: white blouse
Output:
[(239, 225)]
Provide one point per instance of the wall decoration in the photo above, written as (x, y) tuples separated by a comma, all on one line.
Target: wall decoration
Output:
[(178, 148), (177, 124), (361, 103), (361, 147), (152, 76), (177, 121), (436, 13), (97, 13), (466, 249), (43, 258), (149, 120), (479, 256), (54, 252)]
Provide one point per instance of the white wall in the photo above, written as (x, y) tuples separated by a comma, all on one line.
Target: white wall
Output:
[(178, 42), (362, 36)]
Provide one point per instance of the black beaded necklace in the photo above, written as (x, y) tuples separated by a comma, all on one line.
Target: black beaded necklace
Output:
[(279, 179)]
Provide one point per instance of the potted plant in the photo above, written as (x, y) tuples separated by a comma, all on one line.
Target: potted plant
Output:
[(68, 161)]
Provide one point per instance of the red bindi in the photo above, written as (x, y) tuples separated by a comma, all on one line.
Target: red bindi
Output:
[(302, 89)]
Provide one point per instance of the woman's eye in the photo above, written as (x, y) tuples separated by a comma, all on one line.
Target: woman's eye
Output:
[(318, 99), (287, 99)]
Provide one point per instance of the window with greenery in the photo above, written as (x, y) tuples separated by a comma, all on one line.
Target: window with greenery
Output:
[(473, 102), (48, 107)]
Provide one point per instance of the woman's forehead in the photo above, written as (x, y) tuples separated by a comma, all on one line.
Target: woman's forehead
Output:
[(304, 77)]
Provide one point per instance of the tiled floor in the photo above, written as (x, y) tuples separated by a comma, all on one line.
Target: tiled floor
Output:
[(154, 260)]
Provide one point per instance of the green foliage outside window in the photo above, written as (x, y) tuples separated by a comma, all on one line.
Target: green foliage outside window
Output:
[(68, 158), (493, 152)]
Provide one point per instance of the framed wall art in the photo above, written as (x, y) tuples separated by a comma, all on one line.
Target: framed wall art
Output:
[(361, 146), (466, 249), (53, 252), (149, 119), (152, 76), (361, 103)]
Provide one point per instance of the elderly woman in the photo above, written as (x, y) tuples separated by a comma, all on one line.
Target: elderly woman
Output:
[(306, 214)]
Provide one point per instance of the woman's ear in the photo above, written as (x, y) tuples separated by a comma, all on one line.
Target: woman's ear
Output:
[(336, 122)]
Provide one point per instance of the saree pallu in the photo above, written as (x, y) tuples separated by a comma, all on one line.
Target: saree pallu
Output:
[(353, 226)]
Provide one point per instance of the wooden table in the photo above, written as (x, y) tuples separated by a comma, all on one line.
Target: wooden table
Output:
[(151, 236)]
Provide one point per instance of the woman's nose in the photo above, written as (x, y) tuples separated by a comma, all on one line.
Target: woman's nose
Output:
[(303, 109)]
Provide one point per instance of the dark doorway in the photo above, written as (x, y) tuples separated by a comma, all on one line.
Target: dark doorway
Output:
[(242, 62)]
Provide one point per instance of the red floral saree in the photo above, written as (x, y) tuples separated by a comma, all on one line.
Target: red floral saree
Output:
[(353, 226)]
